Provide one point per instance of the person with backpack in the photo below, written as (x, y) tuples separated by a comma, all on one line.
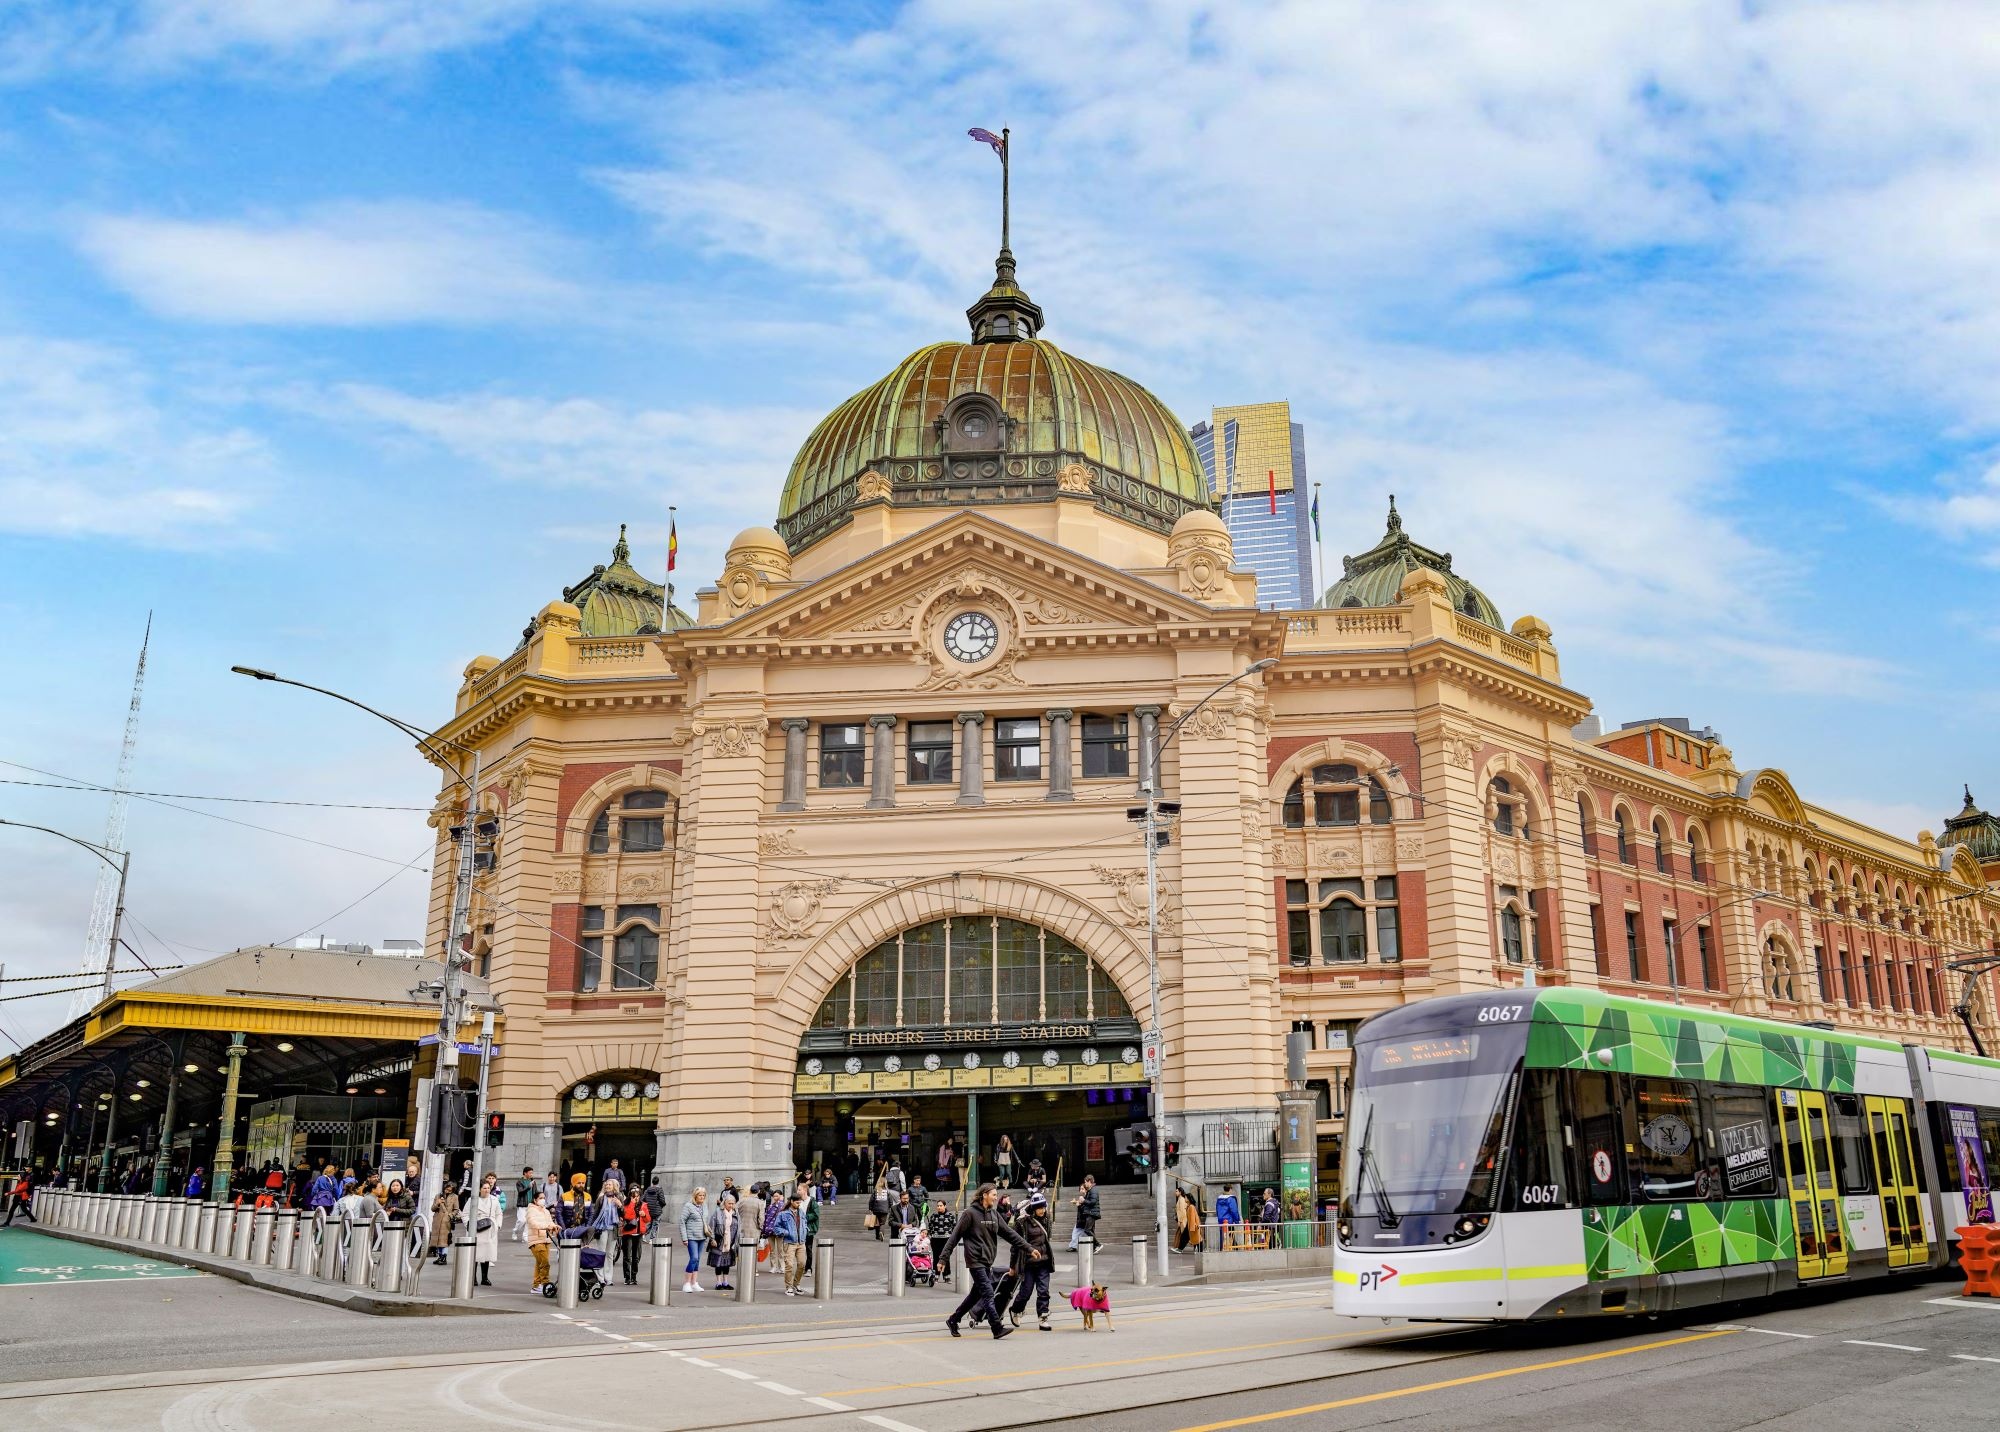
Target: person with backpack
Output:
[(634, 1218)]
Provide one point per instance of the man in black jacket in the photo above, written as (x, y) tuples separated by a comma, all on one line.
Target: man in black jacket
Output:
[(1088, 1211), (980, 1230)]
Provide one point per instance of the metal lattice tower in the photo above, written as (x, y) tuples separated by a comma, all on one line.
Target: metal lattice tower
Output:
[(104, 904)]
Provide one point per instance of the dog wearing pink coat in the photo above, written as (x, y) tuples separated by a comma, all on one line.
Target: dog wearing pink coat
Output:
[(1090, 1302)]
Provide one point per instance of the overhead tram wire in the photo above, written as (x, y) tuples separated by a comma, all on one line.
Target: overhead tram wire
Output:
[(421, 857), (66, 785)]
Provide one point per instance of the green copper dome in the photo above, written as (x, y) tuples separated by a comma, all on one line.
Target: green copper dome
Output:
[(1974, 829), (996, 420), (1375, 578), (616, 600)]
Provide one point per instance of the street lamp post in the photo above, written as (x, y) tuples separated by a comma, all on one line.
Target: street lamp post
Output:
[(123, 865), (1155, 1036), (450, 996)]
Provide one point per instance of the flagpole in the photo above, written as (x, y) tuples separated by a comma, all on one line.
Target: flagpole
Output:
[(667, 614), (1005, 147), (1319, 557)]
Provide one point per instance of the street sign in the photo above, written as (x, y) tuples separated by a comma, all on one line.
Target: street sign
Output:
[(1151, 1044)]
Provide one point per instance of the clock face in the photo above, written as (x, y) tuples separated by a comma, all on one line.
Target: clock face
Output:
[(1090, 1056), (853, 1065), (932, 1062), (1050, 1058), (604, 1090), (628, 1090), (581, 1091), (971, 636), (653, 1089), (893, 1063), (813, 1066), (1012, 1059), (1130, 1054), (971, 1061)]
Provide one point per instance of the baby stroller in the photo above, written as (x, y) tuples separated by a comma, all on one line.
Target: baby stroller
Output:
[(590, 1279), (918, 1268)]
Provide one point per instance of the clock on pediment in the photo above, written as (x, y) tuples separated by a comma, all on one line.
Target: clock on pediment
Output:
[(971, 637)]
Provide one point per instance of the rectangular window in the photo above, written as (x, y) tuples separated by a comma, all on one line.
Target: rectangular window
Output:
[(930, 753), (1066, 978), (842, 758), (1020, 972), (1597, 949), (1017, 749), (637, 951), (1669, 944), (1107, 748), (1540, 1175), (590, 964), (1600, 1137), (1343, 937), (1737, 1138), (972, 971), (642, 834), (1337, 807), (1850, 1145), (923, 974), (1388, 935), (875, 989), (1632, 945), (1669, 1150), (1298, 924), (1711, 977)]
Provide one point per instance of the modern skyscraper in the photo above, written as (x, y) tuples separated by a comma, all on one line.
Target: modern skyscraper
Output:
[(1255, 459)]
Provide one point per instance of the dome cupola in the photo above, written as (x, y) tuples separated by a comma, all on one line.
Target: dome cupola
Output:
[(1374, 578)]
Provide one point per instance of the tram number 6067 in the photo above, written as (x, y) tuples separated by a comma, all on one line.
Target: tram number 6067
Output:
[(1541, 1193), (1502, 1013)]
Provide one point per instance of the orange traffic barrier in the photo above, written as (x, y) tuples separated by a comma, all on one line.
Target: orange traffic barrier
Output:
[(1979, 1255)]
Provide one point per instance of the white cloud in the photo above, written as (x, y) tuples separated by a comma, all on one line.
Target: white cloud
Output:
[(93, 447), (338, 265)]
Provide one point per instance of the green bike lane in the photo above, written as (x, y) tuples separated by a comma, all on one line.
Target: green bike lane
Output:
[(29, 1259)]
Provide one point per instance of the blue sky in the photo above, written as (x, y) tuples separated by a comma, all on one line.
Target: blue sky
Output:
[(343, 335)]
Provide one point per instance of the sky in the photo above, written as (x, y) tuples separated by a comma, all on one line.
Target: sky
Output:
[(341, 335)]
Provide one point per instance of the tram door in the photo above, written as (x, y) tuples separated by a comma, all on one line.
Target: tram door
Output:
[(1809, 1169), (1895, 1175)]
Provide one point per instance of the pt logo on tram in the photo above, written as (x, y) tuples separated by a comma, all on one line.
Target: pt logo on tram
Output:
[(1373, 1278)]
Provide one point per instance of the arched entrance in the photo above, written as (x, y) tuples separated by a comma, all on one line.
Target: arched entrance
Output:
[(611, 1115), (956, 1031)]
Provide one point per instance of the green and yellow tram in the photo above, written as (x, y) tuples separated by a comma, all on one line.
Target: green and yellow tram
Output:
[(1562, 1153)]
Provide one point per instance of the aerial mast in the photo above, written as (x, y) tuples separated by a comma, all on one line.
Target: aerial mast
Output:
[(104, 906)]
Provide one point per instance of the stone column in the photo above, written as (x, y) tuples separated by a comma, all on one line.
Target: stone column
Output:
[(972, 758), (1149, 741), (225, 1127), (1061, 765), (882, 768), (794, 796)]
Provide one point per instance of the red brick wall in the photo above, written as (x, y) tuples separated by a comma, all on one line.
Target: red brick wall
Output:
[(565, 925), (1399, 746), (578, 778)]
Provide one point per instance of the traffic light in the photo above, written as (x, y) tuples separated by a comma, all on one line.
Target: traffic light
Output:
[(496, 1129), (1172, 1153), (454, 1117), (1142, 1148)]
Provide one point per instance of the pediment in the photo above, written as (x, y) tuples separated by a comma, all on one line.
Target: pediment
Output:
[(890, 596)]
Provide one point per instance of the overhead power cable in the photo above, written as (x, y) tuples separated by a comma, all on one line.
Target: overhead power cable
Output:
[(64, 785)]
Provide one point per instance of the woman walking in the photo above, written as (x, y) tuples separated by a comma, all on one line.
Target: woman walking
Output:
[(694, 1233), (541, 1232), (1003, 1161), (635, 1216), (486, 1216), (444, 1213), (724, 1232)]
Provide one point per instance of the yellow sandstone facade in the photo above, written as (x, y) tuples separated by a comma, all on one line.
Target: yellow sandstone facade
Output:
[(845, 853)]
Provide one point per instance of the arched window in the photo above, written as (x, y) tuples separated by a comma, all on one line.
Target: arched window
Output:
[(1520, 941), (1624, 837), (1781, 974), (970, 970), (641, 820), (633, 936), (1694, 855), (1583, 822), (1510, 809), (1663, 859), (1512, 936), (1336, 795), (1334, 919)]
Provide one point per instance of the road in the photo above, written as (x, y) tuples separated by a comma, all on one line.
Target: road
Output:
[(202, 1353)]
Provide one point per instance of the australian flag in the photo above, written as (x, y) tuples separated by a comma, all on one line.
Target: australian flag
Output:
[(988, 137)]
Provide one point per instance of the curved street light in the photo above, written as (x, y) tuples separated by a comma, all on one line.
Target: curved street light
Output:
[(123, 865)]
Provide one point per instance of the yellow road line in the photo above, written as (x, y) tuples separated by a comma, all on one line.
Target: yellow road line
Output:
[(1088, 1366), (1448, 1382)]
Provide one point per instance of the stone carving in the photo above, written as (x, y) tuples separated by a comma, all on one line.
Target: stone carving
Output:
[(1211, 723), (567, 881), (1505, 866), (684, 846), (732, 738), (1381, 852), (1326, 853), (1074, 477), (796, 906), (516, 781), (642, 885), (1410, 846), (779, 842), (1128, 888), (1460, 747), (1567, 782), (445, 812), (871, 486)]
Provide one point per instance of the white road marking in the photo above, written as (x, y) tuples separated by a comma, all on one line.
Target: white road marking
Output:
[(1968, 1357), (699, 1362), (890, 1424), (1987, 1305), (780, 1387), (1893, 1347), (829, 1404), (1768, 1332), (738, 1373)]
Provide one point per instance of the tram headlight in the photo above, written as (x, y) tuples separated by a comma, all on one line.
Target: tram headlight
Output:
[(1470, 1226), (1346, 1230)]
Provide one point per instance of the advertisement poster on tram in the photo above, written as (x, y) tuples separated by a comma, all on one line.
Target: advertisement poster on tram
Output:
[(1972, 1164)]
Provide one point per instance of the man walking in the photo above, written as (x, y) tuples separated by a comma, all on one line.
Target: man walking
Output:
[(980, 1230), (1030, 1275), (524, 1194), (20, 1199)]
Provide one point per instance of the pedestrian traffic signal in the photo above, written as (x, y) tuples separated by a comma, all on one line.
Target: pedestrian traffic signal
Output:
[(1172, 1153), (496, 1130)]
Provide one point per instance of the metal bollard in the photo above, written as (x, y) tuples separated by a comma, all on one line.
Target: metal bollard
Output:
[(285, 1239), (121, 1213), (823, 1271), (1086, 1256), (149, 1208), (395, 1257), (360, 1253), (961, 1273), (128, 1205), (661, 1272), (173, 1222), (205, 1228), (569, 1270), (746, 1271), (239, 1233), (897, 1249), (464, 1252), (190, 1224), (1139, 1260), (263, 1223), (330, 1235)]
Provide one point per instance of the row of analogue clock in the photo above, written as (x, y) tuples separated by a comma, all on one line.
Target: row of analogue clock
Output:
[(627, 1090), (971, 1060)]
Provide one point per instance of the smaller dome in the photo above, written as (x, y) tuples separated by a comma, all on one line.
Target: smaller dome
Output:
[(616, 600), (1974, 829), (1375, 578), (1199, 520), (758, 540)]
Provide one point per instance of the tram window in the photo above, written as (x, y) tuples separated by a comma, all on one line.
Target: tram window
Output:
[(1667, 1154), (1600, 1137), (1541, 1166), (1738, 1139), (1850, 1145)]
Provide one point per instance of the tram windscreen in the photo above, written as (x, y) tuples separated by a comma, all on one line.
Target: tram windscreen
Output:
[(1426, 1127)]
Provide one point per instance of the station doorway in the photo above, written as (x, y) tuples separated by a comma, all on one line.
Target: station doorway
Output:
[(611, 1115)]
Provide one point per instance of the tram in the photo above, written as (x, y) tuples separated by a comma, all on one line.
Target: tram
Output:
[(1560, 1153)]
